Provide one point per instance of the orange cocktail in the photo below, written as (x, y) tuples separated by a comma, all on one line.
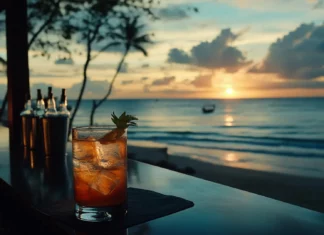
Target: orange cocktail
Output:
[(100, 172)]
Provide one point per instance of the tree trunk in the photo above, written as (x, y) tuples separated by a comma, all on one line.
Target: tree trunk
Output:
[(17, 65), (84, 82), (94, 104), (94, 107)]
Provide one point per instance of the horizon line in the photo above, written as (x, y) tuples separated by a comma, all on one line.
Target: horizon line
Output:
[(245, 98)]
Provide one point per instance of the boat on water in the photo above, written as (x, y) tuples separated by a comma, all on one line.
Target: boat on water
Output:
[(208, 108)]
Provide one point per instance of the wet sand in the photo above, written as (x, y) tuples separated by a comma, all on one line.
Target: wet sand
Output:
[(303, 191)]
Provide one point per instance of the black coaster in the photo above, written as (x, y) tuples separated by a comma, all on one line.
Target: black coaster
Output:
[(143, 206)]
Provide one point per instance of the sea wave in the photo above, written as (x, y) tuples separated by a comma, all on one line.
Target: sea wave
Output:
[(263, 127), (274, 151), (206, 136)]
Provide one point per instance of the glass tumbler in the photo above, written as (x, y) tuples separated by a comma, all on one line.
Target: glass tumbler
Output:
[(100, 172)]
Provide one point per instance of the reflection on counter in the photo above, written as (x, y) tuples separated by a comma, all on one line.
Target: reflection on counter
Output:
[(41, 179)]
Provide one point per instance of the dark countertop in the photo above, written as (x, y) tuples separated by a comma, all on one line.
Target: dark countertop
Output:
[(218, 209)]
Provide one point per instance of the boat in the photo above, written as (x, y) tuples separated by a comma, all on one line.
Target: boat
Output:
[(208, 108)]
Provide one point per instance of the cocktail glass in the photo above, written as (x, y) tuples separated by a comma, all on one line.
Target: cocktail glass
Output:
[(100, 173)]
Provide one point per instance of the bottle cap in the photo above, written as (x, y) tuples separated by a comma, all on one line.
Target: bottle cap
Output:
[(63, 95), (39, 94)]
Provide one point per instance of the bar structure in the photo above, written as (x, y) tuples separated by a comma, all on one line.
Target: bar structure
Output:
[(17, 65)]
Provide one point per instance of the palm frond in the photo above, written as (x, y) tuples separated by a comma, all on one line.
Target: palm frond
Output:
[(114, 35), (124, 120), (140, 48), (142, 39), (135, 20), (112, 44), (140, 27)]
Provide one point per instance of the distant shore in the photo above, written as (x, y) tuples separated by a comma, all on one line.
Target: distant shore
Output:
[(306, 192)]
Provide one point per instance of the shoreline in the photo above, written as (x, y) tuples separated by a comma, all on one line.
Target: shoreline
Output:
[(302, 191)]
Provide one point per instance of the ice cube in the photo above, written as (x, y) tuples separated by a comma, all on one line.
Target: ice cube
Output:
[(122, 143), (84, 150), (82, 166), (85, 171), (108, 155), (105, 182)]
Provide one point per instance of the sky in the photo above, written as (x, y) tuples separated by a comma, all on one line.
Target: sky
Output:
[(228, 49)]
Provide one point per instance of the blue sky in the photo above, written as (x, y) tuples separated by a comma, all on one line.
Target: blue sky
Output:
[(228, 49)]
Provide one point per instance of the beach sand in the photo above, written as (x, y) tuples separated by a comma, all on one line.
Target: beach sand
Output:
[(306, 192)]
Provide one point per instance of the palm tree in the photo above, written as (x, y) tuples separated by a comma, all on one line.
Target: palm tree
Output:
[(130, 37)]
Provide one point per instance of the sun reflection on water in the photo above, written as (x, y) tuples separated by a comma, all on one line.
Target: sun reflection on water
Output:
[(229, 120), (231, 157)]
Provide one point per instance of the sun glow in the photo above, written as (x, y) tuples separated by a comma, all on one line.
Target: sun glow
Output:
[(229, 120), (231, 157), (229, 91)]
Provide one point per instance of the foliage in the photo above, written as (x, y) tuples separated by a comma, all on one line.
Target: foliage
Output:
[(100, 23), (124, 120), (129, 35)]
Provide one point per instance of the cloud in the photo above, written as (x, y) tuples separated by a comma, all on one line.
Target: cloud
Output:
[(64, 61), (146, 88), (186, 81), (177, 92), (127, 82), (134, 81), (163, 81), (102, 66), (174, 13), (202, 81), (266, 5), (120, 48), (109, 66), (94, 89), (145, 66), (178, 56), (216, 54), (294, 84), (44, 87), (297, 55), (319, 4), (50, 75)]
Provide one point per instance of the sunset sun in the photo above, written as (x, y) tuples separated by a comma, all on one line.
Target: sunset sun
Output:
[(229, 91)]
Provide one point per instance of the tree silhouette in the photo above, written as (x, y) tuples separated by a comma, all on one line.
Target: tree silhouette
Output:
[(129, 35), (97, 25), (44, 18), (92, 25), (52, 24)]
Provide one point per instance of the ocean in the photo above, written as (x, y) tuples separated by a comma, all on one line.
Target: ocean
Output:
[(281, 135)]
